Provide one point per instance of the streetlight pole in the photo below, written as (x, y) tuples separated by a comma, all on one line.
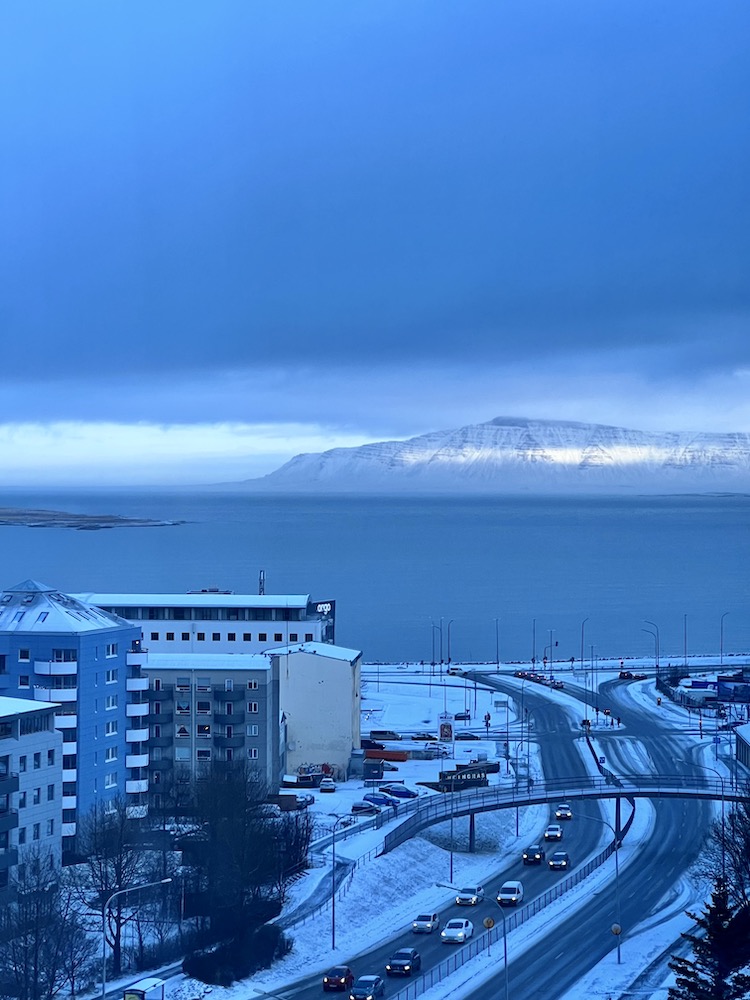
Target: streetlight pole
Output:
[(618, 923), (684, 640), (656, 646), (505, 951), (441, 643), (721, 637), (449, 641), (658, 641), (583, 629), (529, 714), (105, 909), (533, 641), (723, 842), (497, 645), (338, 819)]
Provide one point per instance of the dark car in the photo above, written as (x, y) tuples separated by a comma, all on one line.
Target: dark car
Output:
[(384, 734), (381, 799), (559, 861), (467, 736), (399, 791), (371, 745), (626, 675), (405, 962), (340, 977), (367, 987), (428, 737), (462, 716), (365, 809), (534, 855)]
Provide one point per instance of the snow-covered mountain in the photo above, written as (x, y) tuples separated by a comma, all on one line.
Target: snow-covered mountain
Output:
[(513, 455)]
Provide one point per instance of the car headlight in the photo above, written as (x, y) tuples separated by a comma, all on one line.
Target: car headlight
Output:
[(406, 968), (460, 935)]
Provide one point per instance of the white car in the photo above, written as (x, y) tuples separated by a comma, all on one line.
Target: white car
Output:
[(471, 896), (327, 785), (553, 832), (563, 811), (510, 893), (426, 923), (457, 931)]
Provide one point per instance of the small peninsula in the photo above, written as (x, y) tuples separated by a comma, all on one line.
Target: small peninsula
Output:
[(19, 518)]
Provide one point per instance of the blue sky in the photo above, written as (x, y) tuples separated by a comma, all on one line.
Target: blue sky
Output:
[(235, 231)]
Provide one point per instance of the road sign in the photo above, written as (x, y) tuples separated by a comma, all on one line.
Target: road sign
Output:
[(717, 739), (601, 760), (489, 923)]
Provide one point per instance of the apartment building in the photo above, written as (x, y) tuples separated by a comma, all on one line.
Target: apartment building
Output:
[(30, 786)]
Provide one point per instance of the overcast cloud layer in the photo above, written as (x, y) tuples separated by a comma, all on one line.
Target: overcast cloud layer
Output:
[(327, 223)]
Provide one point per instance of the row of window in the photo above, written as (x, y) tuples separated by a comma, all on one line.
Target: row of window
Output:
[(23, 761), (204, 730), (36, 831), (230, 636), (204, 754), (210, 614), (36, 796), (202, 684), (204, 708)]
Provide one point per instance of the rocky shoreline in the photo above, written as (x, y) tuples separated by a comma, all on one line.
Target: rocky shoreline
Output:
[(20, 518)]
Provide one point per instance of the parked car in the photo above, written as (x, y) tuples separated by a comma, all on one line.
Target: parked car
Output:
[(464, 716), (534, 855), (340, 977), (457, 931), (559, 861), (510, 893), (371, 744), (367, 987), (365, 809), (424, 736), (471, 896), (426, 923), (383, 734), (381, 799), (327, 785), (304, 799), (405, 962), (553, 832), (466, 736), (563, 811), (399, 791)]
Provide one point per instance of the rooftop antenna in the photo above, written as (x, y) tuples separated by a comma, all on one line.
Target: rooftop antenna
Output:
[(262, 583)]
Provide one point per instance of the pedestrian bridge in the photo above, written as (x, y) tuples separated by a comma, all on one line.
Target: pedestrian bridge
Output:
[(433, 809)]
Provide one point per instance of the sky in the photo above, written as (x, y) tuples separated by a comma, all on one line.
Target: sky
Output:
[(237, 231)]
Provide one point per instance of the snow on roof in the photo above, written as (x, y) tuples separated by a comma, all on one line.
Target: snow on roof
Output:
[(197, 600), (22, 706), (319, 648), (194, 662), (35, 607)]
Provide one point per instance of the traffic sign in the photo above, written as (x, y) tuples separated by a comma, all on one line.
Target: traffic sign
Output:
[(489, 923), (717, 739), (601, 760)]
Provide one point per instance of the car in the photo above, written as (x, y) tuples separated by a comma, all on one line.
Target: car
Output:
[(510, 893), (340, 977), (557, 685), (457, 931), (563, 811), (426, 923), (304, 799), (467, 736), (367, 988), (381, 799), (429, 737), (559, 861), (464, 716), (365, 809), (455, 671), (405, 962), (399, 791), (606, 711), (371, 744), (625, 675), (534, 855), (640, 677), (384, 734), (553, 832), (471, 896), (327, 785)]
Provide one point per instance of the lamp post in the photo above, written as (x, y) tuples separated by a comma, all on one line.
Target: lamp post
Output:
[(533, 641), (105, 909), (656, 646), (338, 819), (449, 641), (441, 642), (618, 924), (583, 631), (721, 637), (497, 645), (529, 714), (658, 641), (721, 779), (583, 668), (505, 951)]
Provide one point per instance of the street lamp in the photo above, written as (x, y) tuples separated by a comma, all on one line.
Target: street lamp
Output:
[(105, 909), (656, 646), (583, 629), (684, 640), (723, 844), (338, 819), (505, 951), (529, 714), (721, 637), (618, 923), (658, 641), (449, 641), (497, 645)]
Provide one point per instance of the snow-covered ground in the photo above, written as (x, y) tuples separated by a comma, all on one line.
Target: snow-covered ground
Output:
[(404, 699)]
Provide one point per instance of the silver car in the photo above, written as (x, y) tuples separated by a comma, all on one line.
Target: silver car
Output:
[(457, 931), (426, 923)]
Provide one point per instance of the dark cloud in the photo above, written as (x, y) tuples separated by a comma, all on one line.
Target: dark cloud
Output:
[(192, 187)]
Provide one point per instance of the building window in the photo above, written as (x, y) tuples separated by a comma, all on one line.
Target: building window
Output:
[(252, 753), (182, 708), (252, 707), (186, 637), (308, 637), (24, 655), (111, 676), (50, 827), (69, 762), (231, 636), (110, 781), (170, 636), (247, 637), (37, 761), (50, 793), (154, 637), (293, 637), (203, 684), (182, 753), (22, 763), (69, 816), (110, 729), (36, 831), (203, 730), (156, 731), (252, 685), (182, 684), (111, 649), (252, 730), (203, 755), (64, 655), (110, 754), (21, 835), (203, 708), (201, 636), (110, 702), (216, 636), (36, 797), (278, 637), (229, 684), (23, 681), (22, 800), (182, 732), (69, 788), (262, 636)]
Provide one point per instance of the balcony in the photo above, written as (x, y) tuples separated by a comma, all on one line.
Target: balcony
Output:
[(137, 684), (160, 718), (8, 857), (66, 721), (136, 735), (239, 694), (163, 764), (161, 741), (8, 820), (51, 668), (69, 801), (136, 760), (162, 695), (68, 829), (60, 695), (136, 786), (229, 742), (236, 719), (135, 710), (8, 783), (70, 774)]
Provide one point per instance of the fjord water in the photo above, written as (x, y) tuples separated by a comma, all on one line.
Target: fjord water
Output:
[(397, 565)]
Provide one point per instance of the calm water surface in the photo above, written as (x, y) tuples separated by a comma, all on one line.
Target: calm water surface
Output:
[(395, 566)]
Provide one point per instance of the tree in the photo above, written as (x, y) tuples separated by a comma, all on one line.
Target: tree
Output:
[(710, 974), (732, 842)]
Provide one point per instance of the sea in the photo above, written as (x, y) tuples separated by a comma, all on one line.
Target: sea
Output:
[(417, 578)]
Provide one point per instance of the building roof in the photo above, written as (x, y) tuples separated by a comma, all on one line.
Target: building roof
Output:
[(194, 662), (23, 706), (319, 649), (36, 607), (201, 600)]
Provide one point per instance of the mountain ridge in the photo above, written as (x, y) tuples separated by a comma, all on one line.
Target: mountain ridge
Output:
[(520, 454)]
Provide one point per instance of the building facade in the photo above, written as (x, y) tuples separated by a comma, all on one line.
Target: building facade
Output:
[(30, 787)]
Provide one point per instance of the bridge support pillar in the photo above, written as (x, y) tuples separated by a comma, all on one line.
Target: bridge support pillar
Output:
[(472, 834)]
